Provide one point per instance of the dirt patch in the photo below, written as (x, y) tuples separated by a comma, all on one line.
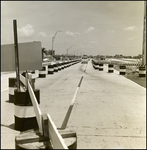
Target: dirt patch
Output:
[(135, 78)]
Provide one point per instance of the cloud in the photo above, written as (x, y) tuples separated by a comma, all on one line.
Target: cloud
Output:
[(111, 31), (89, 29), (43, 34), (26, 31), (131, 28), (93, 42), (132, 38), (82, 46), (74, 34)]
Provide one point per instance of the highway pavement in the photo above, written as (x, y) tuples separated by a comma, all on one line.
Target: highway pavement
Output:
[(109, 110)]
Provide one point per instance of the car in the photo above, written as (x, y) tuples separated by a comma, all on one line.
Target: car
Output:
[(84, 59)]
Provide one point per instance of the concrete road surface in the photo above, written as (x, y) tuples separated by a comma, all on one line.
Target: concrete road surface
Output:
[(109, 111)]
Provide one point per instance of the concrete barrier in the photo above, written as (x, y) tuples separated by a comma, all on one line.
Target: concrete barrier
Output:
[(142, 71), (35, 74), (59, 67), (66, 64), (55, 67), (50, 68), (24, 112), (96, 65), (100, 67), (110, 68), (62, 65), (122, 69), (42, 72), (12, 87)]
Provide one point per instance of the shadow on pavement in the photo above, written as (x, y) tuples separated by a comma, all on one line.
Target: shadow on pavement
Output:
[(11, 126)]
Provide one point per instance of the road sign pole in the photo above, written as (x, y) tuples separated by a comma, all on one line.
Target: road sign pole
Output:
[(16, 54)]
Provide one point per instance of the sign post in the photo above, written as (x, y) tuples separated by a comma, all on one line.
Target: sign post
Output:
[(16, 54)]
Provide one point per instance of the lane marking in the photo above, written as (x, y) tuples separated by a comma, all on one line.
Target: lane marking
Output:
[(65, 121)]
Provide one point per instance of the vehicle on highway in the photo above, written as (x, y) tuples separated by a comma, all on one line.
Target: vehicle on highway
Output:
[(84, 59), (100, 57)]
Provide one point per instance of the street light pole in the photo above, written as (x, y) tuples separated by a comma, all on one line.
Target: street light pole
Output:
[(69, 48), (74, 52), (53, 38)]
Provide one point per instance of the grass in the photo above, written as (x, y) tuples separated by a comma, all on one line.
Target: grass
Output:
[(132, 73)]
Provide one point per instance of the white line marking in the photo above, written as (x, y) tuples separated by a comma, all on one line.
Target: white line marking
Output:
[(65, 121)]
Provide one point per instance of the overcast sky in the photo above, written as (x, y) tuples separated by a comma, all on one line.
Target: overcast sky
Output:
[(93, 27)]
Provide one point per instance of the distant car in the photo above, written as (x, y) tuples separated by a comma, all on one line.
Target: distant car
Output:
[(65, 58), (84, 59)]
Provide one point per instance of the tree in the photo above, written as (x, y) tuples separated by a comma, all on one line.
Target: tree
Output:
[(44, 51)]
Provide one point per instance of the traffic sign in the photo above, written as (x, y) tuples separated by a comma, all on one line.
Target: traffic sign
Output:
[(30, 56)]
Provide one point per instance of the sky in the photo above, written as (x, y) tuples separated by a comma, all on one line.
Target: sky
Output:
[(82, 27)]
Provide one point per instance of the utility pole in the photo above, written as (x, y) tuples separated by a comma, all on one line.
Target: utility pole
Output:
[(144, 37)]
